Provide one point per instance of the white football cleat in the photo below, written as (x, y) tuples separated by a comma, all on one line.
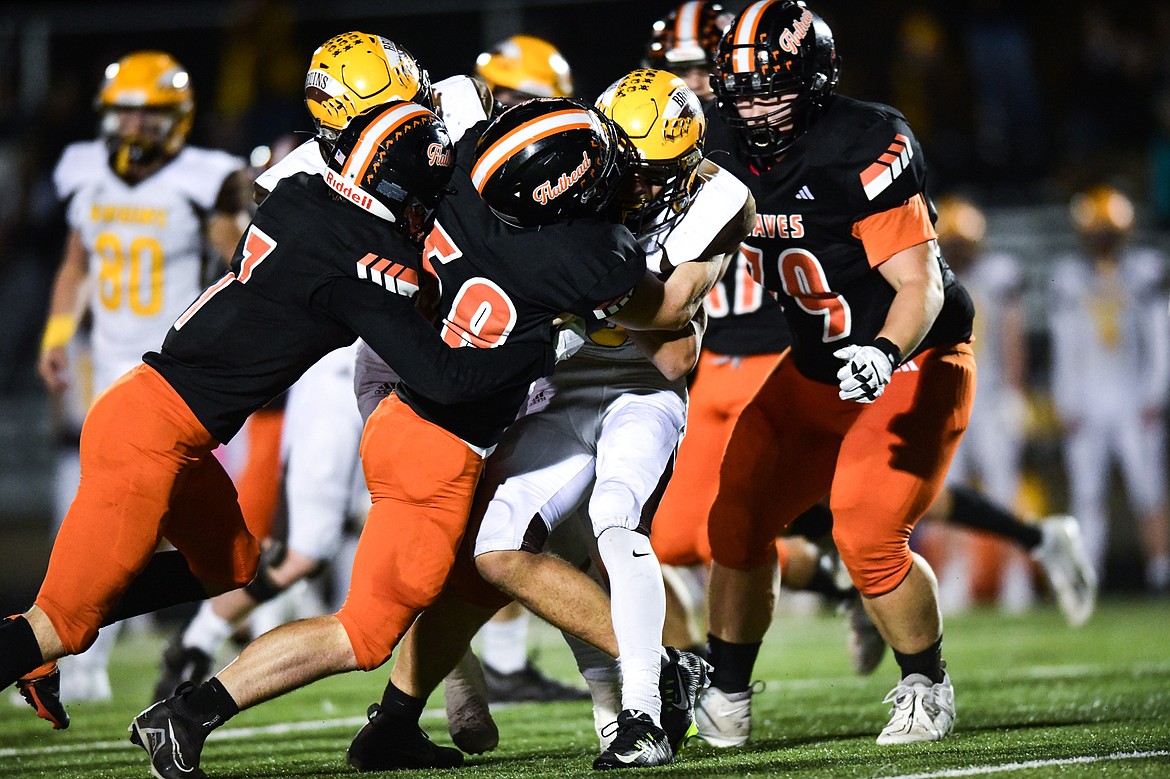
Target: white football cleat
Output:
[(1066, 566), (724, 719), (922, 711)]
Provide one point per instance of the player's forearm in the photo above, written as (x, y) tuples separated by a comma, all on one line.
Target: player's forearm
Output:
[(674, 352), (914, 308)]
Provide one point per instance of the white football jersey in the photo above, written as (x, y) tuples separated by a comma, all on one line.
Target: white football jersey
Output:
[(145, 245)]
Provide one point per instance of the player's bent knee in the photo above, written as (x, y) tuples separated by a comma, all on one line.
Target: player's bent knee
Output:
[(503, 569), (875, 574)]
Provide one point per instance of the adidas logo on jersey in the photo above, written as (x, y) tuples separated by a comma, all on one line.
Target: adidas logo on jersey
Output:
[(805, 194)]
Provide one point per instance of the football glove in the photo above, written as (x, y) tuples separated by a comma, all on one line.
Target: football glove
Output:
[(569, 336), (867, 369)]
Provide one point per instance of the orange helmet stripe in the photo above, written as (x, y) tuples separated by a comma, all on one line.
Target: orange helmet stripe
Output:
[(373, 136), (743, 59), (686, 27), (531, 131)]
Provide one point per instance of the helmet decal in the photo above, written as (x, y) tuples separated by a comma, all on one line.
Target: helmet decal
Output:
[(529, 132), (385, 128)]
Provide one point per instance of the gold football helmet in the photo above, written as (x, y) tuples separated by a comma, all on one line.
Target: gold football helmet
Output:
[(959, 220), (665, 123), (526, 65), (354, 71), (147, 107), (1101, 209)]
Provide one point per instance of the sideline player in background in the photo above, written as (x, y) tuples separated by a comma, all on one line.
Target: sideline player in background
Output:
[(992, 447), (1111, 374), (522, 67), (151, 220), (875, 393)]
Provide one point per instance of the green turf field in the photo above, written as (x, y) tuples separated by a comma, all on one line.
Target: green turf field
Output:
[(1035, 699)]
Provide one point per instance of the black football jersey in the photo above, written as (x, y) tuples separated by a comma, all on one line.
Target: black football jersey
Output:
[(311, 274), (504, 285), (743, 317), (858, 159)]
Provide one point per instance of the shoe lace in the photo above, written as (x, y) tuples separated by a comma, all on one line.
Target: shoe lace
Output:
[(634, 734)]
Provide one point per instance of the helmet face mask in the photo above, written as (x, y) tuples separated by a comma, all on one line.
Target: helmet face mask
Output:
[(665, 124), (146, 109), (353, 72), (394, 161), (776, 52), (549, 160)]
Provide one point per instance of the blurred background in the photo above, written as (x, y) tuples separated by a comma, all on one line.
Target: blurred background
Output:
[(1017, 105)]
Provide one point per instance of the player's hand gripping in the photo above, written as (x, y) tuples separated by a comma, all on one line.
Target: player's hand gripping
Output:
[(867, 369)]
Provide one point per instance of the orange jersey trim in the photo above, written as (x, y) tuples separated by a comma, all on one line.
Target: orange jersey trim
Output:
[(885, 234)]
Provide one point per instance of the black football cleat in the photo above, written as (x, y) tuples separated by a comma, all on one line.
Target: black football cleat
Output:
[(172, 742), (41, 689), (181, 664), (385, 744), (684, 676), (528, 684), (639, 743)]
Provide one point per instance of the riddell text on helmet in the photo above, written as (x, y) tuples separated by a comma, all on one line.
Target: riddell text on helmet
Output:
[(347, 190), (546, 191)]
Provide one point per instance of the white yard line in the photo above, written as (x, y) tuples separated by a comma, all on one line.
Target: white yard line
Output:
[(1024, 766)]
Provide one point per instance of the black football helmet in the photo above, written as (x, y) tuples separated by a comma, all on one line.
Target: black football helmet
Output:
[(395, 161), (550, 159), (687, 37), (775, 49)]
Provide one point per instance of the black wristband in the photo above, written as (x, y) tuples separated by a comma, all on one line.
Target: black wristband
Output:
[(889, 349)]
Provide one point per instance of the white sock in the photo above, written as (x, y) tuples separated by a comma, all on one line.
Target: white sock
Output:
[(207, 631), (638, 609), (504, 645)]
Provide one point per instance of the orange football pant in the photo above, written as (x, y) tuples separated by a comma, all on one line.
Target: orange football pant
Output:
[(258, 484), (882, 464), (147, 473), (421, 480), (721, 388)]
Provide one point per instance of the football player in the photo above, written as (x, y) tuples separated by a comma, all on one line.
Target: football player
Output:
[(150, 220), (501, 283), (348, 74), (684, 43), (602, 432), (992, 446), (1111, 372), (295, 292), (875, 393), (523, 67)]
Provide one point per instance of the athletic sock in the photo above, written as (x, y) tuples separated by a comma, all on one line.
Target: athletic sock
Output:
[(733, 663), (207, 630), (638, 609), (166, 581), (974, 510), (399, 706), (19, 651), (928, 662), (505, 644), (209, 703)]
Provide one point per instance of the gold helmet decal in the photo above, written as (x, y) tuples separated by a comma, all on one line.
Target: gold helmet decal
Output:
[(154, 84), (526, 64), (355, 71), (665, 123)]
